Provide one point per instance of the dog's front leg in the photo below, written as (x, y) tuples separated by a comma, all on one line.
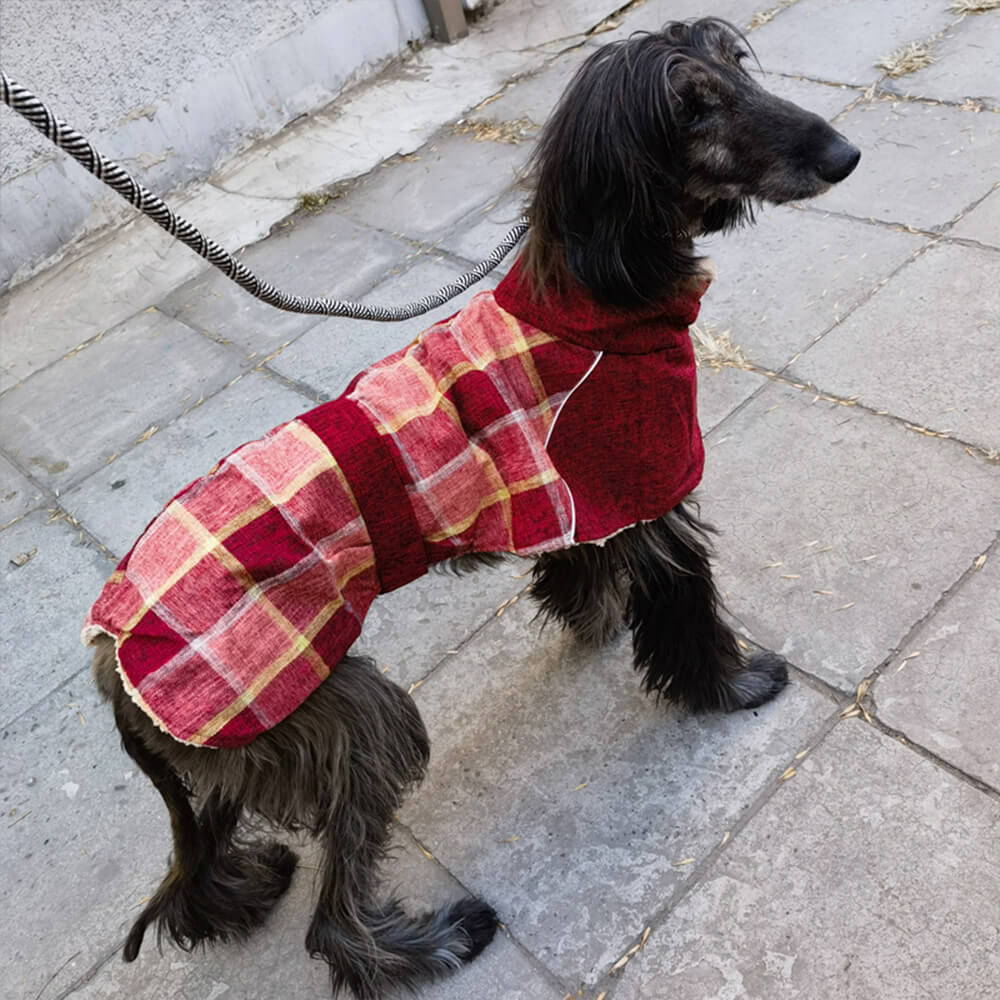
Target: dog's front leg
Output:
[(682, 646), (585, 588)]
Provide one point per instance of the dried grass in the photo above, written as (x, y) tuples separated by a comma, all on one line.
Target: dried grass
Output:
[(907, 59), (973, 6), (485, 130), (716, 350), (763, 16)]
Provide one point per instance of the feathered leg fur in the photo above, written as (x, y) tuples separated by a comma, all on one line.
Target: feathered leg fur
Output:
[(657, 577), (338, 768)]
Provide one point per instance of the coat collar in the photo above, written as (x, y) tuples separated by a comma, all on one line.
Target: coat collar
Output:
[(572, 314)]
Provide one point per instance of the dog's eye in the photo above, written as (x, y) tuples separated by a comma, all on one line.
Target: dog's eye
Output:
[(698, 108)]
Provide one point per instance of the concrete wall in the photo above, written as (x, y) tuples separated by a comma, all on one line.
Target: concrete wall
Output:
[(168, 88)]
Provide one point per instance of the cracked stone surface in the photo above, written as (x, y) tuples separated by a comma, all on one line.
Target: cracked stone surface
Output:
[(919, 694), (966, 64), (721, 390), (823, 99), (343, 260), (813, 543), (924, 164), (870, 889), (571, 812), (982, 223), (18, 494), (787, 280), (326, 358), (99, 412), (49, 574), (912, 367), (483, 230), (435, 181), (121, 498), (653, 14), (583, 811), (808, 39)]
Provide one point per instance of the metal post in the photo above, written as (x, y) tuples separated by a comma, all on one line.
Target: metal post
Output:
[(447, 19)]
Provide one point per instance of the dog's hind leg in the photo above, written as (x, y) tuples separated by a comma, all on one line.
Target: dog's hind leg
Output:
[(372, 947), (585, 588), (682, 646), (217, 889)]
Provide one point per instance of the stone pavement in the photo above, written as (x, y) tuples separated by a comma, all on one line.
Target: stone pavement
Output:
[(841, 842)]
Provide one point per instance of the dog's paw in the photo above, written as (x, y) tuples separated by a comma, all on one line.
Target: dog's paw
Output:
[(478, 921), (764, 676)]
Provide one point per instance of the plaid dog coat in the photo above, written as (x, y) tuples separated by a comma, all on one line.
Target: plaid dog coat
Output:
[(514, 426)]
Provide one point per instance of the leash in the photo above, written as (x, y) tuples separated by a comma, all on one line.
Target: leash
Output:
[(62, 135)]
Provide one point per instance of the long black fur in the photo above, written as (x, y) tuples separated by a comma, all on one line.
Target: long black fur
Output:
[(658, 139)]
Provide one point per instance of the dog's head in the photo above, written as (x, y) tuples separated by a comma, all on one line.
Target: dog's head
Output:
[(659, 138)]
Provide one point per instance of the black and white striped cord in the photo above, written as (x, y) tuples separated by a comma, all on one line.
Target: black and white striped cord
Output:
[(58, 132)]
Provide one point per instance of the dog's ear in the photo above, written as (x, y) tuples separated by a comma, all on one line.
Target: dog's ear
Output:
[(692, 90), (609, 203)]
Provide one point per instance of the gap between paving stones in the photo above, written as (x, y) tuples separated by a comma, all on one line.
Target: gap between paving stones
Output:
[(249, 366), (529, 955), (973, 450), (702, 867), (606, 985), (991, 551), (84, 978)]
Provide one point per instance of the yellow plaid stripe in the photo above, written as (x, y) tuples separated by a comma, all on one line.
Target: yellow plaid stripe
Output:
[(210, 543), (301, 645), (523, 347), (500, 495), (436, 390)]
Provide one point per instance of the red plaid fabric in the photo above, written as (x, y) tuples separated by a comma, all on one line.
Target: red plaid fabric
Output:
[(513, 427)]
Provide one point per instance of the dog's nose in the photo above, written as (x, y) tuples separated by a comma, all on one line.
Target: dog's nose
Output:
[(838, 160)]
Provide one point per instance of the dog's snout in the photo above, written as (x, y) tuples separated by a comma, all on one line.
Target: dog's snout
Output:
[(838, 160)]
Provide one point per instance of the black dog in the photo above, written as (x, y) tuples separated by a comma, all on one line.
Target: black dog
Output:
[(659, 139)]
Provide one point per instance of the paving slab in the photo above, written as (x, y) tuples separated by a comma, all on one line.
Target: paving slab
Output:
[(785, 281), (50, 577), (833, 551), (423, 195), (921, 165), (70, 419), (120, 274), (841, 40), (932, 700), (18, 494), (721, 390), (482, 230), (574, 814), (532, 98), (410, 631), (871, 873), (274, 962), (311, 254), (117, 501), (73, 302), (326, 358), (982, 223), (923, 347), (966, 64), (86, 838), (654, 14)]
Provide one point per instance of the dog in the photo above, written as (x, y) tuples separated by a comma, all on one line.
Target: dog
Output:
[(553, 417)]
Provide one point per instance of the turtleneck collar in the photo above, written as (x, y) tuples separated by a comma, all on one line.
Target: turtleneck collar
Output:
[(572, 314)]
